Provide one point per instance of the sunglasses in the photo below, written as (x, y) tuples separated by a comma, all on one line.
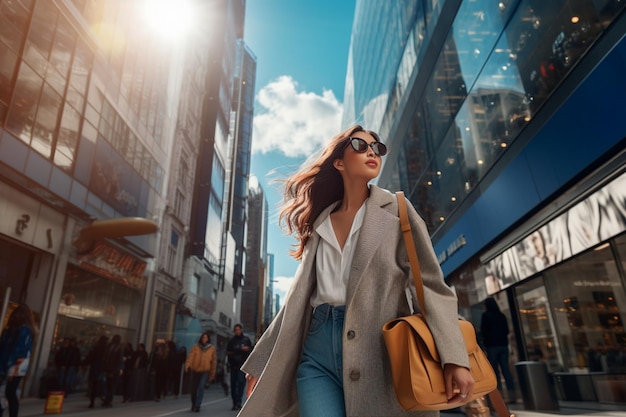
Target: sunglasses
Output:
[(359, 145)]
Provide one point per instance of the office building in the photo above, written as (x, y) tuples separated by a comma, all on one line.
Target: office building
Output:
[(505, 131), (253, 292), (85, 135), (114, 144)]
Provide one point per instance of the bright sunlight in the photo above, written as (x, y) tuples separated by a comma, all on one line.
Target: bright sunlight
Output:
[(169, 19)]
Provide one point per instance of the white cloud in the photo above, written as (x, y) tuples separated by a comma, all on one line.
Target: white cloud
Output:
[(296, 123), (281, 286)]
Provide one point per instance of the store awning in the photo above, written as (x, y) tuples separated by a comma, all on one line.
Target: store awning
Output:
[(113, 228)]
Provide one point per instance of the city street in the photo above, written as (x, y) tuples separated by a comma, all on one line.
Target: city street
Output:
[(215, 404)]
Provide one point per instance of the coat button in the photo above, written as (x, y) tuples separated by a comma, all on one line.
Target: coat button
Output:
[(351, 334), (355, 375)]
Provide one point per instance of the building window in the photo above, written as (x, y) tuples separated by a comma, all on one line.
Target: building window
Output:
[(194, 285), (179, 204), (172, 251)]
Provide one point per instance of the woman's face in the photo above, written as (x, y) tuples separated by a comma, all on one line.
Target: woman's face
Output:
[(204, 339), (364, 165)]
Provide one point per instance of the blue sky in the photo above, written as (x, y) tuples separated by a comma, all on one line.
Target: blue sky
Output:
[(302, 54)]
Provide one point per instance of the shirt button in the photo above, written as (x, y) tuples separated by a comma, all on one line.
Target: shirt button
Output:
[(351, 334), (355, 375)]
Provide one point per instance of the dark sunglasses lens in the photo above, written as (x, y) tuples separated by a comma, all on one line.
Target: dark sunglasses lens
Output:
[(379, 148), (360, 145)]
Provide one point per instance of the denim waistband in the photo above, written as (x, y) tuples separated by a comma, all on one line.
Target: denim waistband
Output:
[(325, 310)]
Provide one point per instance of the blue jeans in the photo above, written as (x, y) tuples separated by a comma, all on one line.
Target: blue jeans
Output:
[(198, 380), (320, 373), (237, 384), (499, 358), (70, 376)]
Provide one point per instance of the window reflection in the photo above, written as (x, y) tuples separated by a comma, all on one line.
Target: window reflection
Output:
[(13, 24), (499, 64), (68, 138), (62, 48), (21, 117), (46, 121), (589, 313), (8, 61), (42, 26), (547, 39), (80, 68), (537, 324)]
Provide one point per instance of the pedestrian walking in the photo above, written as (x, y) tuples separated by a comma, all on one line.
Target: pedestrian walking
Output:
[(113, 365), (237, 351), (159, 367), (128, 355), (202, 360), (96, 378), (177, 364), (324, 353), (140, 378), (16, 346), (495, 332)]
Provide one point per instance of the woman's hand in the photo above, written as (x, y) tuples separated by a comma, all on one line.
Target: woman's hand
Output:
[(252, 380), (459, 383)]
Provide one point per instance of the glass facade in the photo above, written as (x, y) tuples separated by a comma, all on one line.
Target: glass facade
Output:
[(572, 318), (83, 99), (499, 64), (490, 114), (243, 109), (65, 102)]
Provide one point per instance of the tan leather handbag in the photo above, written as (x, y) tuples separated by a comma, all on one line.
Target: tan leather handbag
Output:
[(415, 364)]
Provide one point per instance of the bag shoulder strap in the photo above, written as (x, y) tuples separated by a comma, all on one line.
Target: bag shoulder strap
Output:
[(411, 250), (494, 396)]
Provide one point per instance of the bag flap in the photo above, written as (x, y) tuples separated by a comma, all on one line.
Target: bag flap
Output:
[(419, 326)]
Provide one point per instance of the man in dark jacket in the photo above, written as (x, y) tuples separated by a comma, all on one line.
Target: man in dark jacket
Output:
[(495, 330), (238, 349), (113, 365), (73, 363)]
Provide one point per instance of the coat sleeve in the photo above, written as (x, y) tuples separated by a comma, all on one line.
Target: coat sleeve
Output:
[(257, 360), (441, 302)]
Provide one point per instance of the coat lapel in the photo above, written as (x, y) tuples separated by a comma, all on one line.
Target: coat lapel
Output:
[(377, 219)]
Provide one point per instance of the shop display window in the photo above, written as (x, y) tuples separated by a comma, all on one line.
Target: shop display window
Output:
[(100, 301), (537, 322), (588, 303)]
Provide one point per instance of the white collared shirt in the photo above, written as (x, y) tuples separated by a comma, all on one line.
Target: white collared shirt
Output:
[(332, 264)]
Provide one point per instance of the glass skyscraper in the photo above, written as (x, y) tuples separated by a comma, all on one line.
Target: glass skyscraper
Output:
[(504, 132)]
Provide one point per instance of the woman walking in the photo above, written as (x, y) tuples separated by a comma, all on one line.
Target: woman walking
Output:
[(202, 360), (324, 354), (16, 345)]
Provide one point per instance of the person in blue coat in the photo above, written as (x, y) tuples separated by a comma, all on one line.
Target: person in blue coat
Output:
[(16, 345)]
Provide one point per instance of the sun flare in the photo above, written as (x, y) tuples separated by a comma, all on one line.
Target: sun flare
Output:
[(169, 19)]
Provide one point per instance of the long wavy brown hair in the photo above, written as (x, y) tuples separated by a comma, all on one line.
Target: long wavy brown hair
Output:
[(313, 188), (21, 316)]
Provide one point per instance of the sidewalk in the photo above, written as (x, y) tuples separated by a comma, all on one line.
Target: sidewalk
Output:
[(77, 405), (578, 409)]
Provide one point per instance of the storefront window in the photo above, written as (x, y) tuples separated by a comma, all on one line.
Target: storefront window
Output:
[(620, 245), (588, 303), (92, 305), (537, 324), (164, 319)]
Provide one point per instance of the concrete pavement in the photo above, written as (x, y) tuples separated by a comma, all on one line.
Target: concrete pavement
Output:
[(215, 404)]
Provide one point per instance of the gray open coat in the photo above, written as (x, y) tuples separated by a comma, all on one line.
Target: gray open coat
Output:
[(379, 275)]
